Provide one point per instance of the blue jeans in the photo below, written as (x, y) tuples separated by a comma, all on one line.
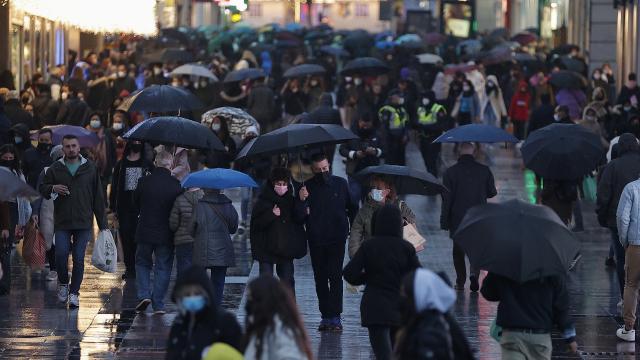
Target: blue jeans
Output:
[(77, 248), (218, 274), (184, 257), (161, 272), (245, 194)]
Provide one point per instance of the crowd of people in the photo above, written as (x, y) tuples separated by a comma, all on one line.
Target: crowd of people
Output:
[(135, 188)]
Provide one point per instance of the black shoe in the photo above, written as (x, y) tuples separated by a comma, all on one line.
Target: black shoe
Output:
[(610, 262), (142, 305), (474, 286), (128, 275)]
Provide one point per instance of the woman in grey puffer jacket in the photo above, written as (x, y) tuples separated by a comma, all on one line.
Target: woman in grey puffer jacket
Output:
[(214, 220), (179, 221)]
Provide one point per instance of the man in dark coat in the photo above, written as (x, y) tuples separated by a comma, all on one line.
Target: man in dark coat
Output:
[(13, 109), (630, 92), (36, 159), (615, 176), (21, 138), (329, 207), (542, 115), (261, 105), (324, 113), (73, 110), (201, 325), (5, 125), (470, 183), (154, 196)]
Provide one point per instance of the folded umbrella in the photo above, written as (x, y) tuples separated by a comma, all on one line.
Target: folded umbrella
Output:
[(295, 138), (562, 151), (517, 240), (11, 187), (568, 79), (218, 179), (173, 130), (86, 138), (304, 70), (480, 133), (244, 74), (161, 98), (406, 180), (194, 70), (237, 120), (365, 66)]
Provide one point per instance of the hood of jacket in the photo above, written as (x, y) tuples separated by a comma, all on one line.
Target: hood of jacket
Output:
[(21, 130), (387, 221), (627, 143), (326, 99), (193, 196), (195, 275), (215, 198), (430, 292)]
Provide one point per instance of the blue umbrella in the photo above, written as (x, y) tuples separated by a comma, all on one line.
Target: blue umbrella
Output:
[(385, 45), (293, 27), (86, 138), (476, 133), (218, 179)]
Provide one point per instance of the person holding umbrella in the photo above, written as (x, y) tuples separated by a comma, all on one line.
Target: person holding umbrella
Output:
[(394, 118), (470, 183), (277, 227)]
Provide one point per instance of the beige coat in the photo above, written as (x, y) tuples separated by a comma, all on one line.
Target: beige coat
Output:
[(495, 100)]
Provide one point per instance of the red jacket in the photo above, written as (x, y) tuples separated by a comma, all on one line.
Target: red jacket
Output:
[(520, 102)]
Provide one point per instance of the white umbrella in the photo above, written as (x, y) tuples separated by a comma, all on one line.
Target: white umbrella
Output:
[(194, 70), (429, 58)]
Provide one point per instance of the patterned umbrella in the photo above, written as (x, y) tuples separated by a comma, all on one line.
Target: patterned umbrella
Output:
[(237, 120)]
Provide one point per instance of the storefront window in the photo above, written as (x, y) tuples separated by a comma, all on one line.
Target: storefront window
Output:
[(37, 46), (26, 48), (16, 61)]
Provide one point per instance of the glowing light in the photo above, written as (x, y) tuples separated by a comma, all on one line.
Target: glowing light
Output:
[(127, 16)]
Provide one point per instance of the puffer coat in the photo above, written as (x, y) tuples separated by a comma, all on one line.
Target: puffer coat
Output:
[(211, 230), (181, 215)]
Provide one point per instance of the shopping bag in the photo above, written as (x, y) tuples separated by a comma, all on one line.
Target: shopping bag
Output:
[(495, 331), (411, 234), (589, 188), (34, 247), (104, 255)]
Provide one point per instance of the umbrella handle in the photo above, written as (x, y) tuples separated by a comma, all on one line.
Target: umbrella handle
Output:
[(300, 168)]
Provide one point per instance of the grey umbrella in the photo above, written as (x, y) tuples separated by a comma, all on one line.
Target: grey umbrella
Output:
[(12, 187), (194, 70)]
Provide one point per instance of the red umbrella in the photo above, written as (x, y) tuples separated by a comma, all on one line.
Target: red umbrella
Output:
[(525, 38), (434, 38)]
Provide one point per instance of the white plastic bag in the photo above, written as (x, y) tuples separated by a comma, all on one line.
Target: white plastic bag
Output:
[(105, 256)]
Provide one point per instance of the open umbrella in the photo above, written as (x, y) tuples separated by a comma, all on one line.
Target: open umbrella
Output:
[(11, 187), (295, 138), (525, 57), (567, 79), (365, 66), (218, 179), (525, 38), (237, 120), (406, 180), (429, 58), (562, 151), (161, 98), (194, 70), (177, 131), (168, 56), (244, 74), (304, 70), (86, 138), (454, 68), (572, 64), (408, 38), (480, 133), (517, 240), (469, 47), (334, 50)]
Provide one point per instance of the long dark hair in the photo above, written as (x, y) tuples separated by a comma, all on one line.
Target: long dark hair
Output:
[(9, 148), (269, 297)]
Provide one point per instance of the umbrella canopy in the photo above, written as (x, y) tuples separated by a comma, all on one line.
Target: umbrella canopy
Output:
[(86, 138), (244, 74), (168, 56), (525, 57), (385, 45), (562, 151), (517, 240), (568, 79), (304, 70), (408, 38), (12, 187), (434, 38), (218, 179), (453, 68), (480, 133), (572, 64), (334, 50), (161, 98), (525, 38), (429, 58), (495, 56), (194, 70), (470, 46), (177, 131), (365, 66), (406, 180), (294, 138), (237, 120)]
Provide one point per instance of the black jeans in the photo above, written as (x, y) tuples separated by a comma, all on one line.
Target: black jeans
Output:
[(619, 252), (520, 129), (430, 154), (396, 150), (460, 265), (128, 223), (327, 261), (382, 339), (284, 271)]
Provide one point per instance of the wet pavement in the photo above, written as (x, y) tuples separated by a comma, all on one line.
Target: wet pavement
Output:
[(34, 325)]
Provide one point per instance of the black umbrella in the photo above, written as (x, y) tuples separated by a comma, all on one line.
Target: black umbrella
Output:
[(11, 187), (365, 66), (173, 130), (334, 50), (244, 74), (568, 79), (562, 151), (304, 70), (517, 240), (572, 64), (161, 98), (295, 138), (406, 180), (168, 56)]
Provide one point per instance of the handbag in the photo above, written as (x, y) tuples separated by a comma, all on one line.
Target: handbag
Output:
[(589, 188), (410, 233), (34, 247)]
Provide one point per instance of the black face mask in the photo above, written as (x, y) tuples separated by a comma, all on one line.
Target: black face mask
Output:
[(45, 148), (7, 163), (365, 133), (136, 148)]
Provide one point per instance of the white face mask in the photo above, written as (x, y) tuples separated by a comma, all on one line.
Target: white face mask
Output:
[(122, 74), (466, 88), (157, 71), (203, 83), (401, 101), (313, 82), (117, 126), (175, 83), (377, 195), (425, 101), (556, 117), (95, 124), (64, 96), (357, 81), (216, 127)]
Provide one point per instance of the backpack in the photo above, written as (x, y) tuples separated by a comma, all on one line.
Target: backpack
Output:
[(429, 339)]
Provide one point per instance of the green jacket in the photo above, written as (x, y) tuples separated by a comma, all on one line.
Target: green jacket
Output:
[(86, 199), (361, 227)]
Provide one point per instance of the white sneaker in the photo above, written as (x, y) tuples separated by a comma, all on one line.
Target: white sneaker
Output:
[(625, 335), (52, 276), (74, 300), (63, 293)]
